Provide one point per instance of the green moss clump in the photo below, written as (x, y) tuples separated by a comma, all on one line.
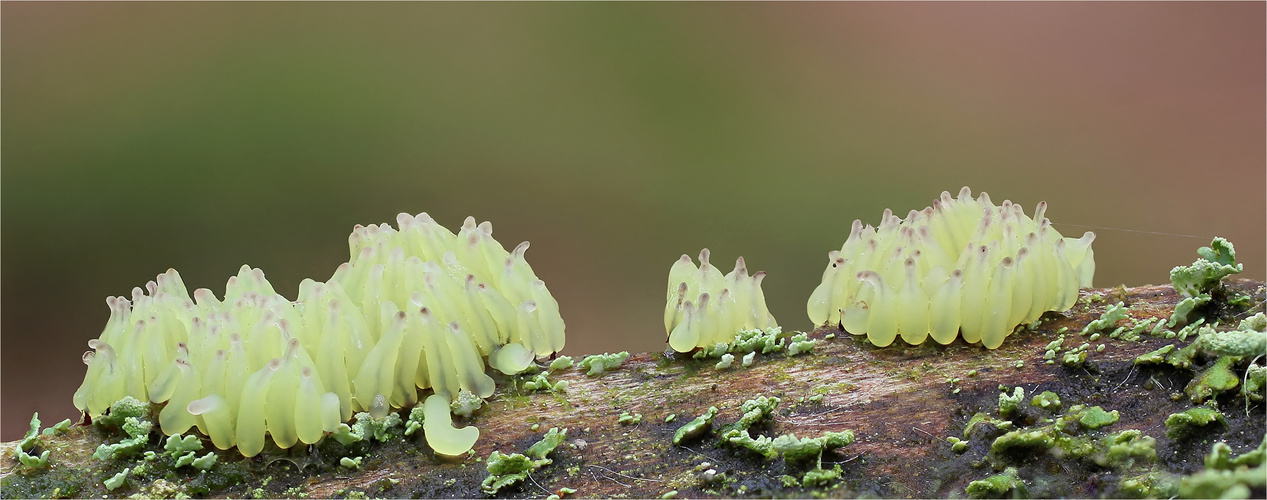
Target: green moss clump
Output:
[(416, 417), (1217, 261), (1214, 380), (599, 363), (1185, 423), (998, 486), (695, 428)]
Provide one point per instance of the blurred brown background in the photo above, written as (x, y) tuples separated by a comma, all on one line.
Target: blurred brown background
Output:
[(615, 137)]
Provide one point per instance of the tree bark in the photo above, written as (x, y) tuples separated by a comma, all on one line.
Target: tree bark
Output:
[(902, 402)]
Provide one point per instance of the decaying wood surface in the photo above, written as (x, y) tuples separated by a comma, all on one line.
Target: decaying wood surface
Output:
[(902, 403)]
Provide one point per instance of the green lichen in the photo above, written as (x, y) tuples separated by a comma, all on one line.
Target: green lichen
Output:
[(695, 428), (1156, 357), (726, 360), (816, 477), (416, 417), (1020, 439), (1047, 400), (177, 446), (28, 444), (551, 440), (351, 463), (1244, 341), (756, 410), (1128, 447), (1226, 477), (764, 341), (628, 419), (599, 363), (1192, 420), (800, 343), (1095, 417), (205, 462), (998, 486), (138, 432), (1255, 380), (121, 410), (560, 363), (1009, 404), (1217, 261), (1111, 316), (506, 470), (367, 427), (1185, 308), (957, 445), (117, 480), (748, 359), (1213, 380), (1154, 484), (464, 405)]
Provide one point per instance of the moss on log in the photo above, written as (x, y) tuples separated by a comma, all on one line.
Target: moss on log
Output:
[(902, 403)]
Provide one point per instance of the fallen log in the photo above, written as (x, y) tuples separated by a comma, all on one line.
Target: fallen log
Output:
[(902, 403)]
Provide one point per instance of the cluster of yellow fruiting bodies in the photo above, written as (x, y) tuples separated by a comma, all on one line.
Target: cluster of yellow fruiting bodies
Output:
[(962, 266), (414, 308), (705, 308)]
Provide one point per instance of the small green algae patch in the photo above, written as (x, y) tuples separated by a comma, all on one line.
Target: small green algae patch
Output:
[(1186, 423), (466, 404), (998, 486), (599, 363)]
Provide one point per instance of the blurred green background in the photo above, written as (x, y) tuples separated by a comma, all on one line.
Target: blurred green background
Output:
[(615, 137)]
